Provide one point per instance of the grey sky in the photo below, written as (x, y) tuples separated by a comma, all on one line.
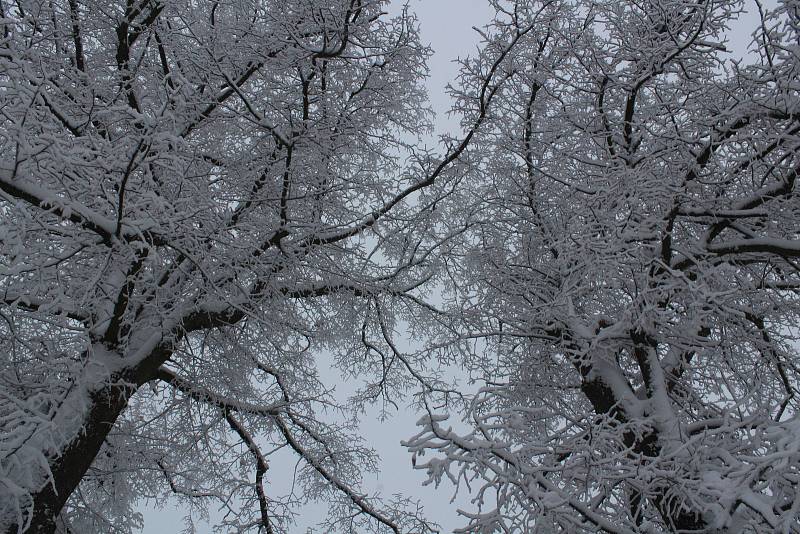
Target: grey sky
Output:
[(447, 26)]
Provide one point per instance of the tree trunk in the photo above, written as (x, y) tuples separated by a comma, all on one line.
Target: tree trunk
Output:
[(69, 468), (604, 403)]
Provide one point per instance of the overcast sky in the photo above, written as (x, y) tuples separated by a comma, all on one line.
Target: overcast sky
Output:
[(447, 26)]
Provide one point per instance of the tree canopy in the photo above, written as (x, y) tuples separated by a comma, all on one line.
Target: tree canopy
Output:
[(212, 211), (631, 264), (202, 197)]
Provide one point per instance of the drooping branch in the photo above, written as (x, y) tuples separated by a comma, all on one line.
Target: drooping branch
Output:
[(261, 467), (276, 415)]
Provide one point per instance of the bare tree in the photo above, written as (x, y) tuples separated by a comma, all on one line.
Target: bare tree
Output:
[(628, 283), (200, 197)]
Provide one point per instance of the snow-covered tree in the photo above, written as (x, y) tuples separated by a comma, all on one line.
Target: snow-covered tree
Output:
[(627, 275), (197, 200)]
